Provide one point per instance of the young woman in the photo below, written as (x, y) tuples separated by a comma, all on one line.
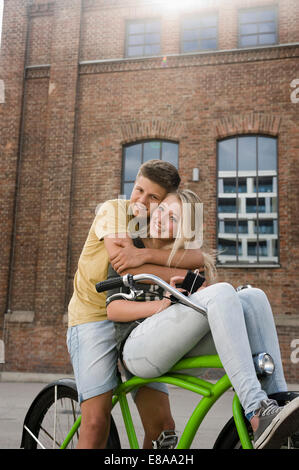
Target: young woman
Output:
[(154, 335)]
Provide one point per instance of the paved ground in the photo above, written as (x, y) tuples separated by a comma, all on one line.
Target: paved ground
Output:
[(15, 398)]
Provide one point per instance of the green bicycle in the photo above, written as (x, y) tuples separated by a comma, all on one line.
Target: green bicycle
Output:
[(53, 419)]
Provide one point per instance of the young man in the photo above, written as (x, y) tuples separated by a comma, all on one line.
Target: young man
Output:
[(91, 337)]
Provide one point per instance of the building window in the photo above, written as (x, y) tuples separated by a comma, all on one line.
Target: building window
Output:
[(199, 33), (134, 155), (247, 202), (257, 27), (143, 38)]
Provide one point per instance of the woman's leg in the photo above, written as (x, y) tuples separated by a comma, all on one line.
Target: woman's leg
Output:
[(262, 335), (161, 340)]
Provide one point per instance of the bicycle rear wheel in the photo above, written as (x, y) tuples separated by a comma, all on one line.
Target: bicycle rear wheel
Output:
[(51, 417)]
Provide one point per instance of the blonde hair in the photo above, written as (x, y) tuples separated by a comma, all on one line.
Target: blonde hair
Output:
[(189, 234)]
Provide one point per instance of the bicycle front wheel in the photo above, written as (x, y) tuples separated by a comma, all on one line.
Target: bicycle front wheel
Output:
[(52, 416), (229, 438)]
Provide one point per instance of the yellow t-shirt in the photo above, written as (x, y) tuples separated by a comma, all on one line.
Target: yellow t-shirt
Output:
[(86, 304)]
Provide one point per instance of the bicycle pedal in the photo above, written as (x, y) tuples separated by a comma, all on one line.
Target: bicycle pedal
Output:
[(166, 440)]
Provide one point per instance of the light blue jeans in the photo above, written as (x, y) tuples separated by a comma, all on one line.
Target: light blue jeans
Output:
[(238, 325)]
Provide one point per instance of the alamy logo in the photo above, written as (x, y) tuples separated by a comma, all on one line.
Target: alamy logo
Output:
[(176, 220), (295, 352), (295, 93), (2, 92)]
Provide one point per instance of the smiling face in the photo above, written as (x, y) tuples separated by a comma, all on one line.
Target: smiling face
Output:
[(165, 220), (146, 196)]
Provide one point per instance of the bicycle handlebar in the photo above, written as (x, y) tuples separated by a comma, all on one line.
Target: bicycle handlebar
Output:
[(127, 282), (111, 283)]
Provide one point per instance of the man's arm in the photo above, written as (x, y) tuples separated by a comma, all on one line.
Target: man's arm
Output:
[(137, 266), (123, 255)]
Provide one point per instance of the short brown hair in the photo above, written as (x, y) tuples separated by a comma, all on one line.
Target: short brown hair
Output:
[(162, 173)]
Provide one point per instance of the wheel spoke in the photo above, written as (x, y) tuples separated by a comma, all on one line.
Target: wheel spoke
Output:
[(51, 437), (34, 437), (49, 423), (55, 413)]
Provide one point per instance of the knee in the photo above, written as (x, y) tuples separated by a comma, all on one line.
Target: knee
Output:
[(96, 425), (253, 296), (225, 291), (94, 432)]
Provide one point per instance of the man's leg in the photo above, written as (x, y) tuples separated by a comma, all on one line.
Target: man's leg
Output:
[(154, 409), (93, 352), (95, 424)]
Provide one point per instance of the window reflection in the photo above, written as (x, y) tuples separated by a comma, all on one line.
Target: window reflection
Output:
[(134, 155), (199, 33), (247, 200), (143, 38), (257, 27)]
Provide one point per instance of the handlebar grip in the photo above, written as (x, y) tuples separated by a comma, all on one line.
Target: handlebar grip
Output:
[(111, 283)]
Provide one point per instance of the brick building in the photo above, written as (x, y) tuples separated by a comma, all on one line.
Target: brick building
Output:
[(90, 88)]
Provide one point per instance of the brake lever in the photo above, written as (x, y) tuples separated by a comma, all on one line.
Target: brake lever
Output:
[(133, 291), (131, 296)]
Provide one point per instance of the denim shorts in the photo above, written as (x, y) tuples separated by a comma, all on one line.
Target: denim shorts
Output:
[(92, 348)]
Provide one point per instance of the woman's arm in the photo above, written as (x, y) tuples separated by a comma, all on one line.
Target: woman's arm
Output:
[(127, 310), (161, 271), (185, 259)]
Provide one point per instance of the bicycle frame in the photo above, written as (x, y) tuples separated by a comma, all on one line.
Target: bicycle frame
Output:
[(210, 394)]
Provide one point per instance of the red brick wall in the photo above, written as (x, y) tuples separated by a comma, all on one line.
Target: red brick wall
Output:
[(12, 61), (75, 121)]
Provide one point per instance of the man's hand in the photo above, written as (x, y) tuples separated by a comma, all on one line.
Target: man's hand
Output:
[(127, 256)]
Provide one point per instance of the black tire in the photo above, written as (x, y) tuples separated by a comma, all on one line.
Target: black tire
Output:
[(229, 438), (67, 411)]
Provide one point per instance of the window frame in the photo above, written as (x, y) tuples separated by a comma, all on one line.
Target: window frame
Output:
[(142, 142), (258, 9), (259, 263), (144, 21), (186, 17)]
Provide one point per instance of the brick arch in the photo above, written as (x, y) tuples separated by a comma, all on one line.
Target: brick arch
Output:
[(248, 123), (151, 129)]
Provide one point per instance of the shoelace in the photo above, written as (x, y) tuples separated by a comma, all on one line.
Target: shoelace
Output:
[(269, 407)]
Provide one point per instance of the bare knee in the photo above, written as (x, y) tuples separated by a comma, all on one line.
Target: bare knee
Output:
[(95, 423)]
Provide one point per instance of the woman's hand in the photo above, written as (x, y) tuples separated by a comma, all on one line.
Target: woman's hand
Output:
[(203, 286), (173, 281), (176, 280), (166, 302)]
